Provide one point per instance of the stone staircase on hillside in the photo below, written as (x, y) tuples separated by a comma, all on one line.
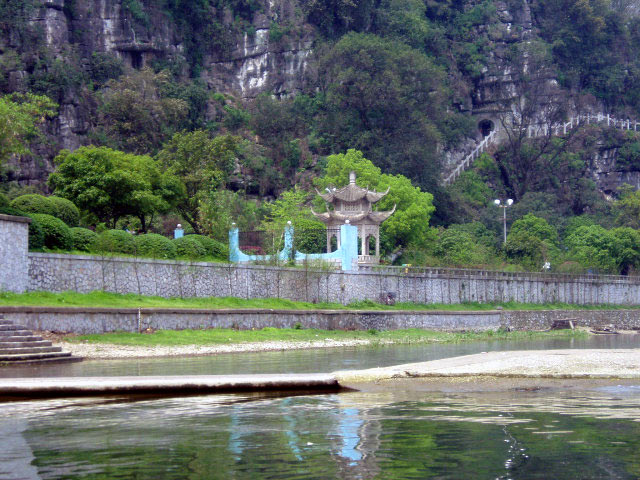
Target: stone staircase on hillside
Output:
[(19, 345)]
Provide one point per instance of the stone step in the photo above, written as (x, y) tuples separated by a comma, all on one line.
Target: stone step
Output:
[(32, 356), (15, 350), (43, 360), (5, 322), (19, 338), (34, 343), (6, 328)]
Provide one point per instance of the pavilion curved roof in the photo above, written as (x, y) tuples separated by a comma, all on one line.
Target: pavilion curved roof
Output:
[(352, 193), (332, 216)]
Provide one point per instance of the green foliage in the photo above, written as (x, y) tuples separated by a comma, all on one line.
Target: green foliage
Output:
[(222, 208), (290, 207), (111, 184), (457, 246), (154, 246), (20, 116), (628, 208), (83, 238), (537, 227), (410, 223), (386, 99), (213, 248), (114, 241), (136, 115), (4, 201), (104, 66), (201, 165), (57, 234), (189, 247), (65, 210), (34, 203)]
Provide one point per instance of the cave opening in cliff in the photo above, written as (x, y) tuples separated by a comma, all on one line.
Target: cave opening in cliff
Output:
[(485, 126)]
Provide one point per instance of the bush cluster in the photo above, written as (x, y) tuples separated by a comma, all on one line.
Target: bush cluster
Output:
[(154, 246), (189, 247), (83, 238), (213, 248), (58, 207), (57, 235), (114, 241)]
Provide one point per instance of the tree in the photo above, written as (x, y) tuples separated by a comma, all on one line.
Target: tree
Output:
[(628, 207), (387, 100), (111, 184), (410, 222), (20, 115), (532, 241), (135, 113), (201, 164)]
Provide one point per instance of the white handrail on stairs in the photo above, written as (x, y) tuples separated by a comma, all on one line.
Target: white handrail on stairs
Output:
[(539, 130)]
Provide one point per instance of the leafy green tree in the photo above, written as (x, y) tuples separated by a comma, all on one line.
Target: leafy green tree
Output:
[(458, 246), (20, 115), (201, 164), (532, 241), (628, 208), (111, 184), (136, 115), (538, 227), (387, 100), (410, 223), (593, 247), (222, 208)]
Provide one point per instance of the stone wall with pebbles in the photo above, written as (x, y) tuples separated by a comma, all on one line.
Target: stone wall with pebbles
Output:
[(59, 272), (14, 243)]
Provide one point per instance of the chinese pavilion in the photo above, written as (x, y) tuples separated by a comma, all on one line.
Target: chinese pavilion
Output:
[(353, 204)]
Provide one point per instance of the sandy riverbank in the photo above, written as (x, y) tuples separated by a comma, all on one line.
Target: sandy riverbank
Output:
[(110, 351)]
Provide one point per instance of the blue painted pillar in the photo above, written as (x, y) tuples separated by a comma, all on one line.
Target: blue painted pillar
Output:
[(178, 232), (285, 254), (349, 246), (234, 245)]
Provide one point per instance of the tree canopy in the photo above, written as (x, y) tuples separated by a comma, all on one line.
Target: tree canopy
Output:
[(111, 184)]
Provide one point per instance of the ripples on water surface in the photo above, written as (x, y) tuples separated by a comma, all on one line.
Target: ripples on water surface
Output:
[(557, 435), (390, 435)]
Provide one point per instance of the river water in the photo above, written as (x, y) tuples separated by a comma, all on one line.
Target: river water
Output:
[(557, 433)]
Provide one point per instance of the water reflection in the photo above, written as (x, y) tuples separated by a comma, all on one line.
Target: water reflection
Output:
[(392, 434)]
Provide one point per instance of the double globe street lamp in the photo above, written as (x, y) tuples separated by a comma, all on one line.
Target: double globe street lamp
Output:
[(504, 207)]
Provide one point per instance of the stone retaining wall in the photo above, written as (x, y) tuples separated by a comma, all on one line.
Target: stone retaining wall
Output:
[(14, 243), (101, 320), (59, 272)]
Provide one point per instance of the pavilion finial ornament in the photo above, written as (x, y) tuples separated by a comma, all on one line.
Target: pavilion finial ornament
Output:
[(355, 204)]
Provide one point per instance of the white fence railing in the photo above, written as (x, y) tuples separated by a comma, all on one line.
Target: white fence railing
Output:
[(541, 130)]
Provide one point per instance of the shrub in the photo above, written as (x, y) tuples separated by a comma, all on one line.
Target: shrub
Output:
[(189, 247), (4, 201), (36, 235), (34, 203), (66, 211), (114, 241), (56, 233), (83, 238), (154, 246), (213, 248)]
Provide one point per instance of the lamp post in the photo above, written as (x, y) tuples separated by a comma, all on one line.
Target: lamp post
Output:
[(504, 207)]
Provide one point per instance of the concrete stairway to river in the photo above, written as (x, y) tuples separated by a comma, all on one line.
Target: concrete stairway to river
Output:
[(19, 345)]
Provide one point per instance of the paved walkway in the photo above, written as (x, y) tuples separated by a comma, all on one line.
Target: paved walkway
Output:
[(539, 364)]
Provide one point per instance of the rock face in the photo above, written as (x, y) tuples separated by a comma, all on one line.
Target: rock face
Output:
[(257, 61)]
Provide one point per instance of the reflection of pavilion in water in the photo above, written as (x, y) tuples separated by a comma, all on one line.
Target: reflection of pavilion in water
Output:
[(353, 204)]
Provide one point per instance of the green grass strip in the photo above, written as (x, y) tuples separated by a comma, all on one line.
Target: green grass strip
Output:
[(220, 336), (114, 300)]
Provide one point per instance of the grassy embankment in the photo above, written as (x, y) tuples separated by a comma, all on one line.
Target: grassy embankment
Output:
[(114, 300), (220, 336), (229, 336)]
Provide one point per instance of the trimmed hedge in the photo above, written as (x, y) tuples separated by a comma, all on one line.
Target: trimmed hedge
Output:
[(189, 247), (213, 247), (114, 241), (66, 211), (83, 238), (34, 203), (56, 233), (154, 246)]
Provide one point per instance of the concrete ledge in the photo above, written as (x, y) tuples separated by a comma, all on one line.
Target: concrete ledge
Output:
[(14, 218), (176, 385)]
